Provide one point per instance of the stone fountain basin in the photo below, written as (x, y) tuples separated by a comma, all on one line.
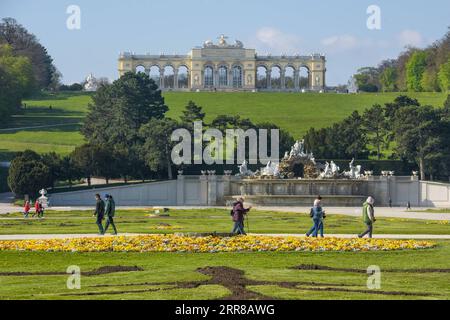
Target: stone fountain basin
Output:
[(301, 200)]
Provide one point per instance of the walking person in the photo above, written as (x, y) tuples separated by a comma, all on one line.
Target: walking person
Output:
[(110, 210), (99, 213), (238, 215), (314, 212), (408, 206), (41, 210), (36, 209), (368, 217), (26, 209), (317, 215), (390, 203)]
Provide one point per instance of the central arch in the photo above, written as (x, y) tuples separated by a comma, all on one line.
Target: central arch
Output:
[(208, 77), (223, 76)]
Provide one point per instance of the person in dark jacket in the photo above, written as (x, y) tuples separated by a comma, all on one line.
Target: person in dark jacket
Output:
[(99, 213), (315, 213), (110, 210), (239, 213)]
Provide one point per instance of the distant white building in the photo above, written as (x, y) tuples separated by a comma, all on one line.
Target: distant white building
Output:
[(91, 83)]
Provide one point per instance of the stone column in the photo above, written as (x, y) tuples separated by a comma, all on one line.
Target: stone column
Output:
[(203, 189), (161, 78), (180, 188), (227, 183), (215, 78), (296, 79), (212, 188), (269, 79), (175, 79), (283, 80)]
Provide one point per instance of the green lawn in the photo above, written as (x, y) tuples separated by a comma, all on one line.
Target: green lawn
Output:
[(209, 220), (294, 112), (404, 275)]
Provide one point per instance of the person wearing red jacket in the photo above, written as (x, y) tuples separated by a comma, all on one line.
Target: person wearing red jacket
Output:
[(26, 209), (37, 209)]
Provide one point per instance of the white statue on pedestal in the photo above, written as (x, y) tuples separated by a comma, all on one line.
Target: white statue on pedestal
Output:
[(43, 200), (91, 83)]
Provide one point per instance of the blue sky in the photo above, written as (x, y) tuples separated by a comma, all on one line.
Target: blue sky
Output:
[(336, 28)]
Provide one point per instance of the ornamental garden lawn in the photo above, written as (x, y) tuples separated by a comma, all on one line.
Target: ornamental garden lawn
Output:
[(405, 273)]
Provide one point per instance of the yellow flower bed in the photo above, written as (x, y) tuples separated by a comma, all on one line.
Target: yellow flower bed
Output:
[(176, 243)]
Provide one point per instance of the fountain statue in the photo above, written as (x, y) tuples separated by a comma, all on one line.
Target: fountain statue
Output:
[(271, 169), (298, 156), (354, 171), (244, 171)]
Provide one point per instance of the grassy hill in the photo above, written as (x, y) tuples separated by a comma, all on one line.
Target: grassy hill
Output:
[(57, 128)]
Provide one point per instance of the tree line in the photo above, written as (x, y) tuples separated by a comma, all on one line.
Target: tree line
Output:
[(128, 136), (25, 67), (416, 133), (415, 70)]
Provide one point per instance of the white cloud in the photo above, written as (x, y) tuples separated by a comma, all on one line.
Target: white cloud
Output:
[(340, 42), (410, 38), (275, 40)]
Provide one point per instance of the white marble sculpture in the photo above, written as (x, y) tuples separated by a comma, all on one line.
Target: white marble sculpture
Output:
[(331, 171), (91, 83), (272, 169), (334, 168), (43, 199), (327, 171), (354, 171), (244, 171)]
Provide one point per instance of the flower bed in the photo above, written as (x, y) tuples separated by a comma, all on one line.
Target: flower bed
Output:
[(176, 243)]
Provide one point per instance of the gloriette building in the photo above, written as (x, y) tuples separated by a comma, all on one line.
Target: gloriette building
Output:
[(228, 67)]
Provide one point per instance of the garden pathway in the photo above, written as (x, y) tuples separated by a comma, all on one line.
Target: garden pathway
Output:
[(347, 236)]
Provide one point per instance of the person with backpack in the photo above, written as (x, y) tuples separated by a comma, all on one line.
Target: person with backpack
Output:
[(318, 202), (317, 214), (99, 213), (110, 210), (238, 215), (368, 217)]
